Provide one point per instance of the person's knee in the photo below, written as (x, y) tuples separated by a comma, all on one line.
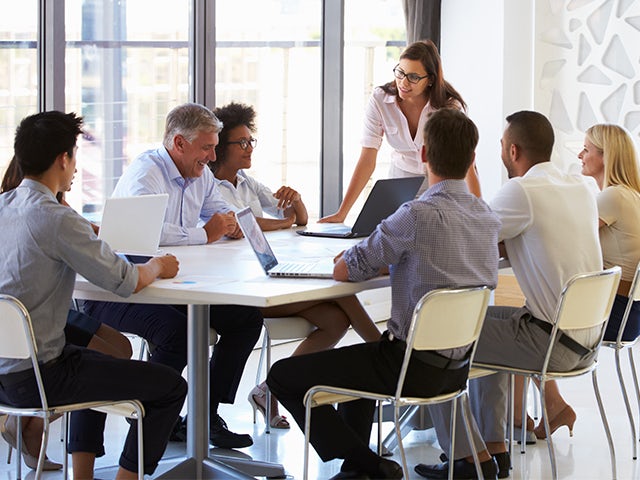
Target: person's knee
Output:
[(338, 326), (276, 375)]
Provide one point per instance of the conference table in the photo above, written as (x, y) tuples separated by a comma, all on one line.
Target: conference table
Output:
[(228, 272)]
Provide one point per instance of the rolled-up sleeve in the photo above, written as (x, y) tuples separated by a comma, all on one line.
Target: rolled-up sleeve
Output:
[(92, 258), (373, 130), (386, 246)]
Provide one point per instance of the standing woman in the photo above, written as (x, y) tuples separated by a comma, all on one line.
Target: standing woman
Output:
[(399, 110)]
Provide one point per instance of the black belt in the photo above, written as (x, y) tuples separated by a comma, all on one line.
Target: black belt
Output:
[(429, 357), (8, 379), (564, 339)]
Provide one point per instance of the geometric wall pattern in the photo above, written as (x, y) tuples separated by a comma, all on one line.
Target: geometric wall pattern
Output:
[(587, 68)]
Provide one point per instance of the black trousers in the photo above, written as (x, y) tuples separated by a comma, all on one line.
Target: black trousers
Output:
[(82, 375), (372, 367), (165, 326)]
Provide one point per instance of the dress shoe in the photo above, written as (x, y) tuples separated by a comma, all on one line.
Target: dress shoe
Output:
[(504, 464), (530, 437), (8, 430), (383, 469), (502, 459), (350, 475), (220, 436), (179, 432), (387, 469), (461, 470), (566, 416)]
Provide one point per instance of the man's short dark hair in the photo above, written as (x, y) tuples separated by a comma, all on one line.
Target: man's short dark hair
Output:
[(40, 138), (532, 133), (450, 139)]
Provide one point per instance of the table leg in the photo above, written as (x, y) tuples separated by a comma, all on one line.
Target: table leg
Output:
[(198, 464)]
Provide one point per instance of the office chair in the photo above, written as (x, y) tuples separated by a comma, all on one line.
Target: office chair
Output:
[(18, 342), (430, 330)]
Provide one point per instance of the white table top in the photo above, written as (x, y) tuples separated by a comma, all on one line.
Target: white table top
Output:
[(227, 272)]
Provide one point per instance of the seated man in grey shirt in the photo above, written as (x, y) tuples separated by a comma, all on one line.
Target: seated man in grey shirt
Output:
[(44, 244)]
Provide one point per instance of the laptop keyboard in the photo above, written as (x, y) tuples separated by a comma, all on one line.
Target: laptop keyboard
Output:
[(295, 267)]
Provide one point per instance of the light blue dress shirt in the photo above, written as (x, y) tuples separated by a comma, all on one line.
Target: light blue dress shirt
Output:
[(43, 244), (191, 200)]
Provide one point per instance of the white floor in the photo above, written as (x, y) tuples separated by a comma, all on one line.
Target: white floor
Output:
[(583, 456)]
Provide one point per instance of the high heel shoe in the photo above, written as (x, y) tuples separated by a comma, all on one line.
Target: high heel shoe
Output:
[(8, 430), (566, 416), (277, 421)]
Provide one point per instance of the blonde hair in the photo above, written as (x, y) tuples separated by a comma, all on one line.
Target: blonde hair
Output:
[(619, 155)]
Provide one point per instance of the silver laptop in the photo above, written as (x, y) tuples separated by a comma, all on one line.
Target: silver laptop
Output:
[(268, 260), (385, 198), (132, 225)]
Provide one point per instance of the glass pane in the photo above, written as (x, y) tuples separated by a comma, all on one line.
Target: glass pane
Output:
[(373, 44), (268, 55), (125, 69), (19, 64)]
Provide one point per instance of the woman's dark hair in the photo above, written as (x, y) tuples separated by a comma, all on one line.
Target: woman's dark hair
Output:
[(13, 176), (232, 115), (441, 93)]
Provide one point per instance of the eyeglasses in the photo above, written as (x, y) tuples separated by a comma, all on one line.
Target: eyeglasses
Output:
[(244, 143), (412, 77)]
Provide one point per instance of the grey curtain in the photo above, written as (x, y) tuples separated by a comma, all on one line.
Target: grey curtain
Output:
[(423, 20)]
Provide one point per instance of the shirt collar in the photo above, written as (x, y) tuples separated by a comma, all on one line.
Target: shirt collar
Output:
[(449, 185), (540, 169), (35, 185), (172, 170), (388, 98), (240, 178)]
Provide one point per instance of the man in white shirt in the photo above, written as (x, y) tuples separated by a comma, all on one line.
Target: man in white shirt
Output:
[(550, 233)]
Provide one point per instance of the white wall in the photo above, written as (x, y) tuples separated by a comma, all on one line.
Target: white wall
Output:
[(487, 55), (578, 62)]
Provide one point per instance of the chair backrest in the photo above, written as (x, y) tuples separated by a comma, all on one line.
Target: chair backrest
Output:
[(634, 296), (448, 318), (586, 299), (634, 291), (443, 319), (18, 340)]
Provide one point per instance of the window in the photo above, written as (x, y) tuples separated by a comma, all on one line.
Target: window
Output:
[(373, 44), (268, 55), (126, 67), (19, 64)]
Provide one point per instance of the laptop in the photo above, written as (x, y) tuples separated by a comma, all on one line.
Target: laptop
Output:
[(268, 260), (385, 198), (132, 225)]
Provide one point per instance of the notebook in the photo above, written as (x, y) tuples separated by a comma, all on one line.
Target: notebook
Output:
[(268, 260), (385, 198), (132, 225)]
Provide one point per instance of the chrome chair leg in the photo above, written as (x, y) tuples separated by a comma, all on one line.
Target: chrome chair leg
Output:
[(464, 399), (627, 404), (605, 423), (547, 429)]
